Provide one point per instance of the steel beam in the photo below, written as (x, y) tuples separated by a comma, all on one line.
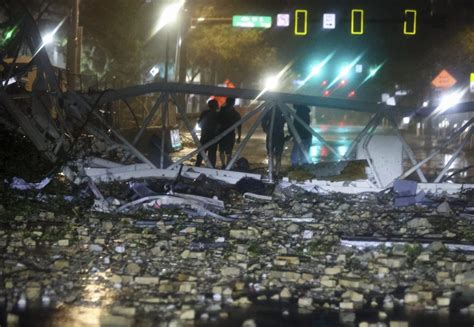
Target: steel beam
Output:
[(454, 156), (131, 148), (247, 137), (438, 150), (249, 94), (270, 144), (313, 132), (375, 120), (219, 137), (148, 119), (188, 125), (287, 114)]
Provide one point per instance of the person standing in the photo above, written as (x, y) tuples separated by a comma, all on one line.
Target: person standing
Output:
[(208, 124), (297, 156), (227, 117), (278, 136)]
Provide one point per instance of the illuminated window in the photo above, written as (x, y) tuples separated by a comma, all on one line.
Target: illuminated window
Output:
[(301, 22), (357, 22), (409, 25)]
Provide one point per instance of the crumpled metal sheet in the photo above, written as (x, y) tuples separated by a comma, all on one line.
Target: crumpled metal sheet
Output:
[(20, 184)]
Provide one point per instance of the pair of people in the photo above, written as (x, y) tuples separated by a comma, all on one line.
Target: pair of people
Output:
[(213, 122), (278, 136)]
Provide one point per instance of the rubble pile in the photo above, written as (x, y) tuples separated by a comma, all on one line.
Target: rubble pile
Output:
[(286, 254)]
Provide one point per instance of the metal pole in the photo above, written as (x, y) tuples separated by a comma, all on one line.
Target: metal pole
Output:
[(455, 155), (164, 119), (270, 145), (191, 130), (132, 149), (178, 48), (73, 45), (167, 52), (374, 120), (247, 137), (312, 131), (287, 114), (219, 137), (148, 119)]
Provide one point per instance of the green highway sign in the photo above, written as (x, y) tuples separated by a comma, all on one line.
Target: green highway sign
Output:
[(252, 21)]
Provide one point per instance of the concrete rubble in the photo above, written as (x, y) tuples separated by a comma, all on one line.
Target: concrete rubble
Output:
[(288, 254)]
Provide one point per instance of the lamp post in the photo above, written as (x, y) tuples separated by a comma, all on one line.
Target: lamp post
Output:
[(169, 15)]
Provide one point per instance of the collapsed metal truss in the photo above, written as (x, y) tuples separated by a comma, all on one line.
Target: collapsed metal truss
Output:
[(53, 117)]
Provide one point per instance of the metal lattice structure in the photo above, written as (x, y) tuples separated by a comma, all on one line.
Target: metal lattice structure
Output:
[(52, 116)]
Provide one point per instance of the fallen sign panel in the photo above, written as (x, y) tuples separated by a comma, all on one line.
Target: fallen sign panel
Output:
[(122, 173), (362, 186), (228, 176), (128, 172), (321, 186)]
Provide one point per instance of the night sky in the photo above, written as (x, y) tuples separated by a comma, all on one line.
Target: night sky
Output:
[(383, 40)]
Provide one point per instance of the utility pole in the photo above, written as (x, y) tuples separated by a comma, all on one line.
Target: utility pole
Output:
[(74, 46)]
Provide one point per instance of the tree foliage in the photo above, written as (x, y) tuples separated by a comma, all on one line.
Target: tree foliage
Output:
[(114, 38), (224, 51), (229, 52)]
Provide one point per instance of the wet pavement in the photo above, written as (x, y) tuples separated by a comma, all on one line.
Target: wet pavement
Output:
[(74, 267), (63, 265), (340, 138)]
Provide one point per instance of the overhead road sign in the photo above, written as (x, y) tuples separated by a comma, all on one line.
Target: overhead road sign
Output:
[(444, 80), (252, 21), (283, 20), (329, 21), (471, 84)]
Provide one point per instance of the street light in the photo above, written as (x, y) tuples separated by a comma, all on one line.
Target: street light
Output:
[(345, 70), (271, 83), (316, 70), (449, 100), (48, 38), (170, 15)]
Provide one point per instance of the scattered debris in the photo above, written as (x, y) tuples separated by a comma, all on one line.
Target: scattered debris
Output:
[(314, 250), (20, 184)]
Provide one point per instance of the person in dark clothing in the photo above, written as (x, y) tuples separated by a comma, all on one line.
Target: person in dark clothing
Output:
[(297, 157), (208, 123), (227, 117), (278, 136)]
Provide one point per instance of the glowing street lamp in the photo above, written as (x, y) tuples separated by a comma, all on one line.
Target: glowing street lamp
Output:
[(316, 70), (271, 83), (345, 70), (169, 15), (372, 72), (48, 38), (449, 100)]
